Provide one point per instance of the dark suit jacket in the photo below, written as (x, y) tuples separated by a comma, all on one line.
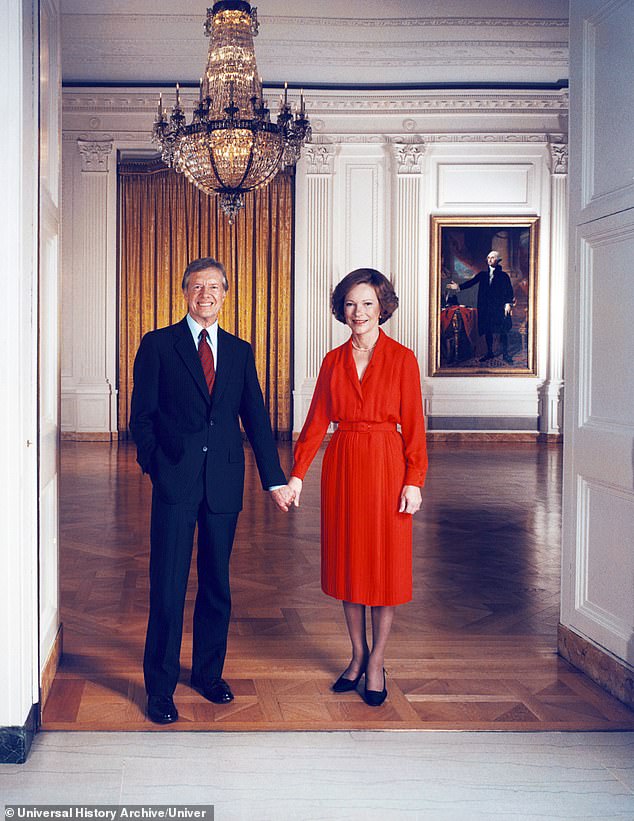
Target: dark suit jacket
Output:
[(491, 300), (176, 425)]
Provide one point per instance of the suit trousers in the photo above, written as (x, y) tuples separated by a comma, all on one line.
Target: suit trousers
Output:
[(171, 545)]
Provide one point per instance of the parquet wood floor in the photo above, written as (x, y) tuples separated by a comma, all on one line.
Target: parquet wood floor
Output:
[(474, 650)]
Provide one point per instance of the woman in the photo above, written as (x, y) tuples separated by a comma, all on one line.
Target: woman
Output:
[(371, 474)]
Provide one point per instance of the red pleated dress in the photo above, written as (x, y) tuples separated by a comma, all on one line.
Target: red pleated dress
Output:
[(366, 544)]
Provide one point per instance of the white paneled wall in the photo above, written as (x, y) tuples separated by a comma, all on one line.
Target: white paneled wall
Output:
[(382, 216), (379, 165), (598, 513)]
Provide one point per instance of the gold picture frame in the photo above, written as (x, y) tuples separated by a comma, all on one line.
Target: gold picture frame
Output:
[(473, 334)]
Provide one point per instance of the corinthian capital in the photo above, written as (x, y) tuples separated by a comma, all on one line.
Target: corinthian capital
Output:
[(319, 158), (558, 158), (94, 155), (408, 155)]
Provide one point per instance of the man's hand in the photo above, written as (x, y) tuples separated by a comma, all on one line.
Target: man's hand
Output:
[(283, 497), (507, 309), (453, 286), (411, 499), (295, 486)]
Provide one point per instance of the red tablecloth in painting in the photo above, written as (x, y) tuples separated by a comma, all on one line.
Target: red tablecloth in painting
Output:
[(469, 320)]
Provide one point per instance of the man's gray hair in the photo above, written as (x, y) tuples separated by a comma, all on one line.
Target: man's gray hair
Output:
[(203, 264)]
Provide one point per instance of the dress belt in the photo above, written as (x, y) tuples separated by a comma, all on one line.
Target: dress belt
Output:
[(366, 427)]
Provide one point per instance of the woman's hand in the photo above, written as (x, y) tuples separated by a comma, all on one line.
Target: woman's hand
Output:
[(283, 497), (410, 501), (295, 485)]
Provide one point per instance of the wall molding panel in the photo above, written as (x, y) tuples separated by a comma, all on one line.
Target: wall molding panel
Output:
[(460, 185), (360, 232), (605, 154), (603, 244)]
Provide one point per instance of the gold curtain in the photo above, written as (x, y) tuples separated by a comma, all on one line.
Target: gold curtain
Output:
[(165, 223)]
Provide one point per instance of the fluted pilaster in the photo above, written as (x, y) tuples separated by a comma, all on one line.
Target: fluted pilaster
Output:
[(406, 257), (89, 388), (552, 391), (319, 249)]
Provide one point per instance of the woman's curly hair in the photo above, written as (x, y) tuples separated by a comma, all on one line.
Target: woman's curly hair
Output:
[(384, 291)]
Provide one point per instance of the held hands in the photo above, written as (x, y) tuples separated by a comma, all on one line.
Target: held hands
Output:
[(411, 499), (283, 497), (295, 485), (288, 494)]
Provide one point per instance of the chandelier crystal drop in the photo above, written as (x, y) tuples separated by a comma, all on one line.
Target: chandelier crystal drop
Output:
[(231, 145)]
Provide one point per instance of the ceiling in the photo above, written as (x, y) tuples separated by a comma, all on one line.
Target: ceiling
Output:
[(342, 42)]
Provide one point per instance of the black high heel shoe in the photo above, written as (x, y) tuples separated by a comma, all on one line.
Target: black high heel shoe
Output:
[(346, 685), (374, 698)]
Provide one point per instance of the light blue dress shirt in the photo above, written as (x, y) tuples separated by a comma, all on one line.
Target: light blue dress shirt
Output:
[(212, 341)]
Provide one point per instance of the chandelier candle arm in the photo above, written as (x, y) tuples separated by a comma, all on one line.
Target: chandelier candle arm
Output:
[(231, 146)]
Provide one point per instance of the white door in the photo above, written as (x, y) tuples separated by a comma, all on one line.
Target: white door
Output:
[(598, 540), (48, 335)]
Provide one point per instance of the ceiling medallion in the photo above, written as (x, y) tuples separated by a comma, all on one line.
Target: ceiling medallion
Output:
[(231, 145)]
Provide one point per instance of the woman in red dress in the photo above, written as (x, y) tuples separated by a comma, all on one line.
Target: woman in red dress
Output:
[(371, 473)]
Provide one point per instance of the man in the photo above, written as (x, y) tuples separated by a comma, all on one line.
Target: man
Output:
[(192, 381), (495, 301)]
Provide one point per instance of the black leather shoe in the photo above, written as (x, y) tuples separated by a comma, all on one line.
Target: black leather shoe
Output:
[(374, 698), (346, 685), (217, 690), (508, 359), (161, 709), (487, 356)]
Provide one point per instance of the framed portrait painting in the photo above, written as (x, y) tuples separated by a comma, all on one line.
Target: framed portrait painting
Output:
[(483, 296)]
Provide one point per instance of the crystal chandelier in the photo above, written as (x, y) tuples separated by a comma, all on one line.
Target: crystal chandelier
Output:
[(231, 146)]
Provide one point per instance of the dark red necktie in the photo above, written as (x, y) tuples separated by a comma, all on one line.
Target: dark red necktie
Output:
[(206, 359)]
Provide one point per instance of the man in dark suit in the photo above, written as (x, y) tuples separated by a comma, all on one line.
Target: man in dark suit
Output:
[(192, 382), (495, 301)]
